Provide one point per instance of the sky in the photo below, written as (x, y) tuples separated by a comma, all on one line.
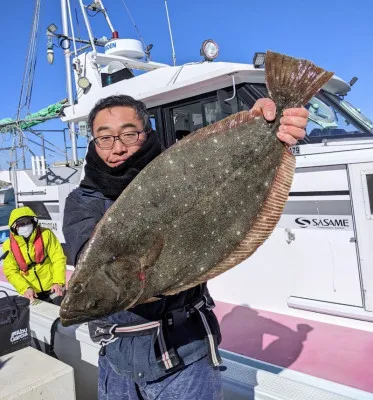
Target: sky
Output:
[(335, 34)]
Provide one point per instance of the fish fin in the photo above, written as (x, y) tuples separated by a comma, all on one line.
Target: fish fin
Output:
[(149, 259), (293, 82)]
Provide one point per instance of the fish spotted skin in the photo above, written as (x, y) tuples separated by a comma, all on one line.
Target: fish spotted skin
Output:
[(201, 207)]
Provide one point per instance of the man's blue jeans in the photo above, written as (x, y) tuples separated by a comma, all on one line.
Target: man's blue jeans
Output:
[(197, 381)]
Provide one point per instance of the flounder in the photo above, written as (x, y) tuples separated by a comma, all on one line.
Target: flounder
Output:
[(200, 208)]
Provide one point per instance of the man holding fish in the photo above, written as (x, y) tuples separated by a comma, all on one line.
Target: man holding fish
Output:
[(166, 348)]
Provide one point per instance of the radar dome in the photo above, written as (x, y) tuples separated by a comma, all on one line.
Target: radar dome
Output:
[(130, 48)]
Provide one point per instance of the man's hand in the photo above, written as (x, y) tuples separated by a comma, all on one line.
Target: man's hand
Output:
[(58, 289), (293, 122), (30, 294)]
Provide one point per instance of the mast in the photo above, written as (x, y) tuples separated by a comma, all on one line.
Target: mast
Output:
[(169, 28), (69, 86)]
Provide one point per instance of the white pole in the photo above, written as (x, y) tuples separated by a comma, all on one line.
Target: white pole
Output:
[(169, 28), (72, 27), (69, 85), (88, 26), (42, 162), (106, 16), (37, 165), (33, 165), (14, 180)]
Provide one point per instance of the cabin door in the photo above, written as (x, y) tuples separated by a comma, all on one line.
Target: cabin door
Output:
[(361, 181), (318, 223)]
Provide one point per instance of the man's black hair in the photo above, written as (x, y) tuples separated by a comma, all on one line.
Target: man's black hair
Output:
[(121, 101)]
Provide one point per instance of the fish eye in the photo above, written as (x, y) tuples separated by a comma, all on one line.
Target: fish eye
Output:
[(77, 288)]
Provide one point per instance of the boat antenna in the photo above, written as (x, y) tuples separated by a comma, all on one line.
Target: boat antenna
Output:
[(134, 24), (30, 63), (169, 28), (27, 82)]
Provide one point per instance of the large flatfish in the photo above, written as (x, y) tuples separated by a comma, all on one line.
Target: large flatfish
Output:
[(200, 208)]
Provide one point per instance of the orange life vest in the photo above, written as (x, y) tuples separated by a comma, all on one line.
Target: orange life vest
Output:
[(17, 253)]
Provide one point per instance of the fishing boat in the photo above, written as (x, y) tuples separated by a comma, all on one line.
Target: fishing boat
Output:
[(297, 316)]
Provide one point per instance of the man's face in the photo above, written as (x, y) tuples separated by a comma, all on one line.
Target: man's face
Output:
[(113, 122)]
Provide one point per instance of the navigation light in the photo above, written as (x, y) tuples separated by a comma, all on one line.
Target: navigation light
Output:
[(50, 52), (52, 28), (209, 50), (50, 56), (84, 83)]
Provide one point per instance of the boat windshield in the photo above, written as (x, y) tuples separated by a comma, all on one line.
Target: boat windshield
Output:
[(331, 117), (334, 118)]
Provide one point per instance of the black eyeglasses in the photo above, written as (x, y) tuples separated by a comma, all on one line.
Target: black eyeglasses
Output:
[(107, 142)]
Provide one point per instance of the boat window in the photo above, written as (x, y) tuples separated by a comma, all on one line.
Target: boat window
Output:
[(213, 112), (116, 76), (242, 105), (153, 117), (186, 118), (328, 121), (39, 208), (157, 124), (356, 112), (369, 178), (330, 117), (152, 122)]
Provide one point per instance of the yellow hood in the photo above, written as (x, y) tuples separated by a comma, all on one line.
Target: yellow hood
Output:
[(20, 212)]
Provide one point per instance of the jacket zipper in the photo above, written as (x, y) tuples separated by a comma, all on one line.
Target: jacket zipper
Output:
[(37, 276)]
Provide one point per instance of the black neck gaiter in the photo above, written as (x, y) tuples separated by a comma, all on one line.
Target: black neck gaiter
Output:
[(111, 181)]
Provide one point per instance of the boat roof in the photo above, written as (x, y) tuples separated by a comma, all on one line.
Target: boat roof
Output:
[(167, 84)]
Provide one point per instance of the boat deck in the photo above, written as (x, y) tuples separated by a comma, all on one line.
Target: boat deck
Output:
[(330, 352)]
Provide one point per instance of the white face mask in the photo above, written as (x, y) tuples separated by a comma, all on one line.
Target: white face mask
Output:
[(25, 230)]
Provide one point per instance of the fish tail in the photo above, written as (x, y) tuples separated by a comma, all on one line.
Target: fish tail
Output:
[(293, 82)]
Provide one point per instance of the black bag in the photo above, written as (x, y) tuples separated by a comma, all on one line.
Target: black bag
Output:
[(14, 323)]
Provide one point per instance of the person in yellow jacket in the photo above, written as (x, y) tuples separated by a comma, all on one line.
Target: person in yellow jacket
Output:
[(35, 263)]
